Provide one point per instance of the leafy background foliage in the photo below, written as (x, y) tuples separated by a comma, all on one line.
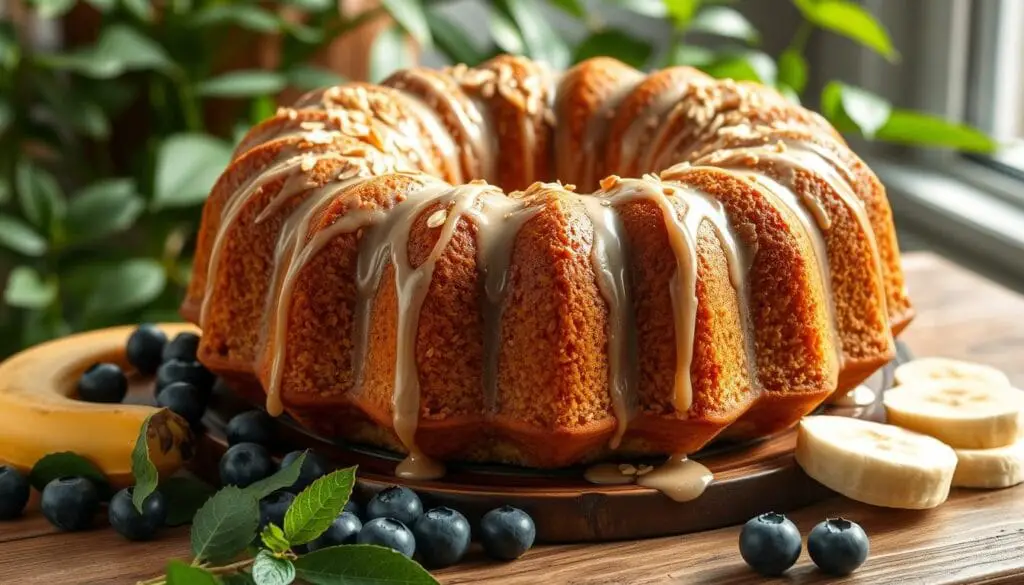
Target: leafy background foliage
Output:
[(109, 147)]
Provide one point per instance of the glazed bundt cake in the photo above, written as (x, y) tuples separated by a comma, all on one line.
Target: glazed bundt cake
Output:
[(410, 264)]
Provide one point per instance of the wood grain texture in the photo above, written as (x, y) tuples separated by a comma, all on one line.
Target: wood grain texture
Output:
[(975, 537)]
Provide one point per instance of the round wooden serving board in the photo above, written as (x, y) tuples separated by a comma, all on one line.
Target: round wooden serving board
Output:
[(749, 478)]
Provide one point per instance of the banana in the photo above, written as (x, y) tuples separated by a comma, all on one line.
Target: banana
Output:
[(990, 468), (964, 414), (874, 463), (39, 415), (940, 368)]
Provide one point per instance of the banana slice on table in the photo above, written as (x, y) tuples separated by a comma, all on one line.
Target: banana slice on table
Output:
[(39, 414), (990, 468), (940, 368), (874, 463), (964, 414)]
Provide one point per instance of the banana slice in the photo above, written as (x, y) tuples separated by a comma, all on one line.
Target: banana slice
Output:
[(875, 463), (940, 368), (990, 468), (964, 414)]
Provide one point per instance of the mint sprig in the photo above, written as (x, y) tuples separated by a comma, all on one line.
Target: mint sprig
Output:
[(146, 475), (271, 569), (360, 563), (313, 511), (225, 525)]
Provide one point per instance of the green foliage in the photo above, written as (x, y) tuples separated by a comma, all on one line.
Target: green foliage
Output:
[(317, 506), (145, 473), (109, 148), (65, 464)]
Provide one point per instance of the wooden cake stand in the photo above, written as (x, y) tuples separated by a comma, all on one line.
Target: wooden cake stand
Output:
[(749, 478)]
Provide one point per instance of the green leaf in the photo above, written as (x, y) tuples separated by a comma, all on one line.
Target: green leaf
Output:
[(120, 48), (145, 473), (650, 8), (793, 70), (65, 464), (178, 573), (270, 570), (789, 93), (506, 34), (274, 539), (628, 49), (243, 83), (284, 478), (102, 5), (225, 525), (318, 505), (452, 40), (103, 208), (691, 55), (915, 128), (42, 200), (849, 20), (26, 289), (125, 286), (681, 11), (360, 564), (845, 105), (187, 166), (542, 41), (409, 14), (311, 77), (313, 5), (726, 22), (184, 497), (571, 7), (52, 8), (141, 9), (21, 238), (744, 66), (237, 579), (389, 52), (246, 16)]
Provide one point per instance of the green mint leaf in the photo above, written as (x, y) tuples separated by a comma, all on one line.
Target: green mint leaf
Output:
[(41, 198), (360, 564), (26, 289), (21, 238), (270, 570), (749, 65), (225, 525), (850, 20), (409, 14), (284, 478), (318, 505), (103, 208), (725, 22), (793, 70), (237, 579), (178, 573), (145, 473), (243, 83), (852, 108), (125, 286), (626, 48), (187, 166), (274, 539), (66, 464), (184, 497), (915, 128)]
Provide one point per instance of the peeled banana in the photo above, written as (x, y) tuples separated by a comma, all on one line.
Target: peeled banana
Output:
[(990, 468), (39, 414), (940, 368), (964, 414), (874, 463)]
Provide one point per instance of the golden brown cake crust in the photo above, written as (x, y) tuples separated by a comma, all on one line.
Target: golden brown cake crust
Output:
[(753, 274)]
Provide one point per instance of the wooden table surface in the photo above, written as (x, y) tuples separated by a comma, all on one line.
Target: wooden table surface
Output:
[(975, 537)]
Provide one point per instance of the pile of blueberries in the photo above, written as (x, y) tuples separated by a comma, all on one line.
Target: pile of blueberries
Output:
[(770, 543), (394, 517), (183, 386)]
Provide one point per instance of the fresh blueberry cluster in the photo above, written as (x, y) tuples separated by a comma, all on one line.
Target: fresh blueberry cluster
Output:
[(771, 543)]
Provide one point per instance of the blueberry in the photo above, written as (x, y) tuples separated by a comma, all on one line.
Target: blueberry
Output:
[(507, 533), (313, 468), (770, 543), (184, 347), (180, 371), (838, 546), (70, 503), (254, 426), (273, 508), (390, 533), (183, 399), (129, 523), (353, 507), (103, 383), (244, 464), (344, 530), (145, 349), (400, 503), (14, 492), (442, 537)]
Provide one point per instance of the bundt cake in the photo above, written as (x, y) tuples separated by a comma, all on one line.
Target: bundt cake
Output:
[(410, 265)]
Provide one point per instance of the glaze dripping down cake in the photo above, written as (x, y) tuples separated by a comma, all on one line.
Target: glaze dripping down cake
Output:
[(506, 264)]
